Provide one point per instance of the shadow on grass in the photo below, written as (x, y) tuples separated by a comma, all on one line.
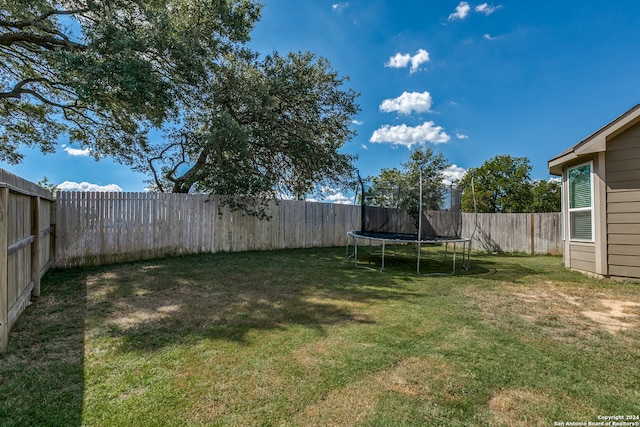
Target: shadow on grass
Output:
[(147, 306), (42, 373)]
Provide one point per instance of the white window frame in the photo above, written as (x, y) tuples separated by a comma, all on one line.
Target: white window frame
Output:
[(587, 209)]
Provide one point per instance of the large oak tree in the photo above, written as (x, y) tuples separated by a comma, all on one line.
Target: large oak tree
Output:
[(261, 128), (105, 72), (102, 72)]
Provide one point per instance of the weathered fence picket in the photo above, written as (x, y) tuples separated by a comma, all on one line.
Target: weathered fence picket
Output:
[(98, 228), (25, 246), (533, 233)]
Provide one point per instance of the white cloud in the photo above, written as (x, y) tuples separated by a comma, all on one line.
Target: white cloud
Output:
[(399, 60), (402, 60), (339, 198), (85, 186), (76, 152), (357, 122), (486, 9), (364, 147), (421, 57), (408, 135), (453, 174), (460, 135), (488, 37), (462, 10), (339, 7), (330, 195), (408, 103)]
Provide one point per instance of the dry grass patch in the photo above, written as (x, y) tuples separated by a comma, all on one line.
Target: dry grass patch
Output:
[(530, 407), (563, 310), (432, 381), (615, 315), (324, 352), (347, 406), (519, 407)]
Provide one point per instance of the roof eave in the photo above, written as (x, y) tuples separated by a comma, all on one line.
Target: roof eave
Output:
[(596, 142)]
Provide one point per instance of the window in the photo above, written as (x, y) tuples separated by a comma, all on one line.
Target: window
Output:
[(580, 203)]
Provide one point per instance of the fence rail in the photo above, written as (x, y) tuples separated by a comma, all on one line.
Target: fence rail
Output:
[(25, 246)]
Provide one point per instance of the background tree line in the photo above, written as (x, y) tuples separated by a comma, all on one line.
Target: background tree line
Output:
[(501, 184)]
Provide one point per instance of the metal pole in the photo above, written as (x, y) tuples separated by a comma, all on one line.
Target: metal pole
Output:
[(420, 210), (419, 225)]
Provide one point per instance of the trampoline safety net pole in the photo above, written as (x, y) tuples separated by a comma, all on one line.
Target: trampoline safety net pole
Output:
[(419, 224)]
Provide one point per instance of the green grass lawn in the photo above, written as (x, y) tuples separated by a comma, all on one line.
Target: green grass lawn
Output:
[(304, 338)]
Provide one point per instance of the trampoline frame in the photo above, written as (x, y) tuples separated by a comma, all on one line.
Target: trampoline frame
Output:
[(406, 239)]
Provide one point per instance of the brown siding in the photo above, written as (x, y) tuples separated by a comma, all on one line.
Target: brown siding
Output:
[(623, 203), (583, 257)]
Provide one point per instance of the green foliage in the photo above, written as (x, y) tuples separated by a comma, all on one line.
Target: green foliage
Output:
[(401, 188), (501, 185), (261, 128), (45, 183), (103, 73), (547, 196)]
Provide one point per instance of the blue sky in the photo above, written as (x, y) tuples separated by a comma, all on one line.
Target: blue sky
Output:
[(474, 79)]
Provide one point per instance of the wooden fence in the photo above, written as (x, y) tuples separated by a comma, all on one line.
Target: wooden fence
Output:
[(532, 233), (25, 246), (97, 228)]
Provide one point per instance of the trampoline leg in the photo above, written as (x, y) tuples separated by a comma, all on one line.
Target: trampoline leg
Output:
[(383, 246), (468, 251), (454, 258), (355, 251), (355, 255), (446, 250)]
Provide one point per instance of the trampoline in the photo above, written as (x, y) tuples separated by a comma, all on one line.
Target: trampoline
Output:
[(441, 224)]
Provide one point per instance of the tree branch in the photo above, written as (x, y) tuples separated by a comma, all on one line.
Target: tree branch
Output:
[(184, 183), (42, 17), (45, 42), (19, 90)]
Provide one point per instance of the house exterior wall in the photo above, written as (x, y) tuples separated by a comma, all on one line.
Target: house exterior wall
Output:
[(623, 203), (582, 256)]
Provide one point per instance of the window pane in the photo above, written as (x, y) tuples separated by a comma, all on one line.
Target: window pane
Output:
[(581, 225), (580, 187)]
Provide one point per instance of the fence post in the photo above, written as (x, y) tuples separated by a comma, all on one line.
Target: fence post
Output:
[(4, 270), (533, 234), (35, 245)]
